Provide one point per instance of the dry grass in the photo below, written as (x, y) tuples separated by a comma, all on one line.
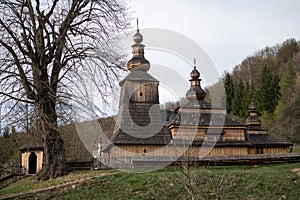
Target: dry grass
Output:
[(296, 170), (29, 185)]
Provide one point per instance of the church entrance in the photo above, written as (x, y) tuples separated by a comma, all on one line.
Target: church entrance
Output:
[(32, 163)]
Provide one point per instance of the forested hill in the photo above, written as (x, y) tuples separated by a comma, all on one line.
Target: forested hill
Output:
[(272, 78)]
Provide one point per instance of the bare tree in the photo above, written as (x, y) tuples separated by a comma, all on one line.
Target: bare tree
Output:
[(46, 46)]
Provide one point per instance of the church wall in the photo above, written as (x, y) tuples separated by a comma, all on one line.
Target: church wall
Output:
[(233, 135), (251, 150), (257, 131), (229, 134), (268, 150), (275, 150), (124, 153), (222, 151), (134, 91), (188, 132), (217, 151), (141, 150)]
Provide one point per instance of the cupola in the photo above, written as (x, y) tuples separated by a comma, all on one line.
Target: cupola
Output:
[(138, 61), (195, 92), (253, 119)]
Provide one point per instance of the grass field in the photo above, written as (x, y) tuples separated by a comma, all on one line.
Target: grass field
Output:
[(280, 181)]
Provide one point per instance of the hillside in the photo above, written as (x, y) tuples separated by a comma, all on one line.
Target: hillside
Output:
[(271, 78), (75, 149), (244, 182)]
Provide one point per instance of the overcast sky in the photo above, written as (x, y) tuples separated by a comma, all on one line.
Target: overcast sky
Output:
[(228, 30)]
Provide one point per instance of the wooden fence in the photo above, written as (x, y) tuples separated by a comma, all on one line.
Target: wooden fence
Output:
[(10, 174)]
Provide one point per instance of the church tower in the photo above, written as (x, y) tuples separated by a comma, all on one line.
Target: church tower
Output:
[(139, 86), (139, 119)]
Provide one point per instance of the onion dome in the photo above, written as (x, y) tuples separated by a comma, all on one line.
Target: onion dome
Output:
[(195, 92), (195, 74), (138, 60), (138, 38), (253, 119)]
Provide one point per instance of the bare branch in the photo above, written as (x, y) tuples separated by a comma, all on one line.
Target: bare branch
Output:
[(26, 84), (47, 50)]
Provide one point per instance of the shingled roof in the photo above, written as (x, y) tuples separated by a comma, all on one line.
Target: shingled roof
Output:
[(26, 141), (265, 139), (140, 124), (201, 113), (163, 137), (138, 75)]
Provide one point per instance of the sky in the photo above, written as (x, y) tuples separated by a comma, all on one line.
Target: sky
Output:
[(224, 31), (227, 30)]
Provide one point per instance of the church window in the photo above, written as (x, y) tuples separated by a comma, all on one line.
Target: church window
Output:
[(210, 138), (259, 150)]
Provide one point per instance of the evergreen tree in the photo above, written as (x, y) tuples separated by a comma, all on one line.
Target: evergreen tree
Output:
[(8, 146), (264, 70), (287, 83), (247, 100), (229, 90), (288, 79), (267, 94), (238, 104), (287, 110)]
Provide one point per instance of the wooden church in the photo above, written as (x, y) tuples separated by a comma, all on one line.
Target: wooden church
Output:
[(197, 132)]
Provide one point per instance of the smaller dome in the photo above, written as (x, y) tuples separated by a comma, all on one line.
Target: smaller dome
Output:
[(195, 74), (195, 93), (253, 119), (138, 38), (139, 63), (252, 107)]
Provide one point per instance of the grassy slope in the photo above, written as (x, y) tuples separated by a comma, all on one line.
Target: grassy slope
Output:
[(262, 182), (29, 184)]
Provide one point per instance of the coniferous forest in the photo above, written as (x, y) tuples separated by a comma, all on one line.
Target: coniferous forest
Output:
[(271, 78)]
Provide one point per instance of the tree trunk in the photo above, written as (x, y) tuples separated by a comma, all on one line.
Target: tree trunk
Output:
[(55, 163)]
